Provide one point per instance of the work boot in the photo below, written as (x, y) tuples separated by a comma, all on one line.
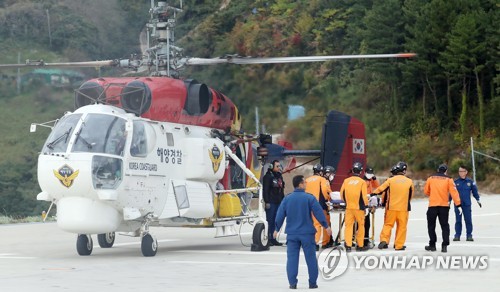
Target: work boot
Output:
[(456, 239), (470, 239), (430, 248), (383, 245), (293, 286), (276, 243), (317, 247), (444, 248), (362, 248), (313, 286), (403, 248), (348, 249)]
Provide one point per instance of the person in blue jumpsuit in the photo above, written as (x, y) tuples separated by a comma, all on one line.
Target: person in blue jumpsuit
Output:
[(297, 208), (465, 186)]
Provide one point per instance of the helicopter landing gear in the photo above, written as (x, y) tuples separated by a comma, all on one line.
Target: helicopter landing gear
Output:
[(106, 240), (149, 244), (84, 244), (260, 238)]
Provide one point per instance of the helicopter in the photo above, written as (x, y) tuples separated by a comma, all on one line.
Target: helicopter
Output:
[(164, 151)]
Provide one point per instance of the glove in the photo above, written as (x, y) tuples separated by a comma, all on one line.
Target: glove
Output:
[(329, 231), (374, 178), (268, 205), (479, 203), (459, 208)]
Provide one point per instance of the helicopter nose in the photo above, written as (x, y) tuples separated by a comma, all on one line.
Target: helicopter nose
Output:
[(86, 216)]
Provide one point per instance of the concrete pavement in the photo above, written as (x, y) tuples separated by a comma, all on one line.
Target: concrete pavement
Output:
[(40, 257)]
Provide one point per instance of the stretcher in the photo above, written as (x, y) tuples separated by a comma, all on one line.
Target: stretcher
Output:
[(338, 207)]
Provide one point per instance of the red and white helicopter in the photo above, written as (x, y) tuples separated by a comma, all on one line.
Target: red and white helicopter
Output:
[(162, 151)]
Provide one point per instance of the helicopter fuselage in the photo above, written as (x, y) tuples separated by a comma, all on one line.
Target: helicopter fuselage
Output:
[(107, 169)]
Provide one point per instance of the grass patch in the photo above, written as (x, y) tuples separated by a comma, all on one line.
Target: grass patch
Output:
[(29, 219)]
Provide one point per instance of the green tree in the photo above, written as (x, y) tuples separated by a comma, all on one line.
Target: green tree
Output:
[(466, 54)]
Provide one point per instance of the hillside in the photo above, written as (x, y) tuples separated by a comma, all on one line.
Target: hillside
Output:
[(423, 110)]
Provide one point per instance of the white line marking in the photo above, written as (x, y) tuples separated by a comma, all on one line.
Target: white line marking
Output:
[(463, 239), (16, 258), (137, 242), (228, 263), (453, 244), (232, 252), (485, 215), (474, 215)]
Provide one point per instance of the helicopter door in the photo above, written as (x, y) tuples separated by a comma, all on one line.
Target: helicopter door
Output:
[(238, 176), (189, 199)]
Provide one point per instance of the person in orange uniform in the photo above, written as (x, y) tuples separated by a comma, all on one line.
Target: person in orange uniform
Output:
[(371, 184), (439, 187), (397, 192), (319, 187), (353, 193), (329, 175)]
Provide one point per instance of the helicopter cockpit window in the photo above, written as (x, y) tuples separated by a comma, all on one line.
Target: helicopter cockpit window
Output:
[(101, 134), (59, 138), (143, 139)]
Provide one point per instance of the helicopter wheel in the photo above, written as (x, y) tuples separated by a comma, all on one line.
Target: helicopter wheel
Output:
[(259, 238), (149, 245), (106, 240), (84, 244)]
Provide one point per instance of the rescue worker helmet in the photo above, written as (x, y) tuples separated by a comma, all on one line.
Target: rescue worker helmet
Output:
[(357, 167), (369, 170), (402, 166), (394, 170), (442, 168), (329, 169), (317, 168)]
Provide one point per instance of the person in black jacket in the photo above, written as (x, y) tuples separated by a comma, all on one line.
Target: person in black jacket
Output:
[(273, 192)]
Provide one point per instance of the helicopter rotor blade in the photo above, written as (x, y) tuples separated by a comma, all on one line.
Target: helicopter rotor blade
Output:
[(41, 63), (279, 60)]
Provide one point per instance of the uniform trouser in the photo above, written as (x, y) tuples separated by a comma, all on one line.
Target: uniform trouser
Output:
[(350, 217), (321, 231), (467, 212), (400, 218), (367, 228), (293, 244), (271, 218), (441, 213)]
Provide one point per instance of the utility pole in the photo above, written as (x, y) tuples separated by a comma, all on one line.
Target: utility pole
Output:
[(48, 23), (472, 154), (18, 83), (257, 120)]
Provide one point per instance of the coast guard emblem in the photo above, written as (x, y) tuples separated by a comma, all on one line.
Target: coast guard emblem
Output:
[(66, 175), (216, 157)]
